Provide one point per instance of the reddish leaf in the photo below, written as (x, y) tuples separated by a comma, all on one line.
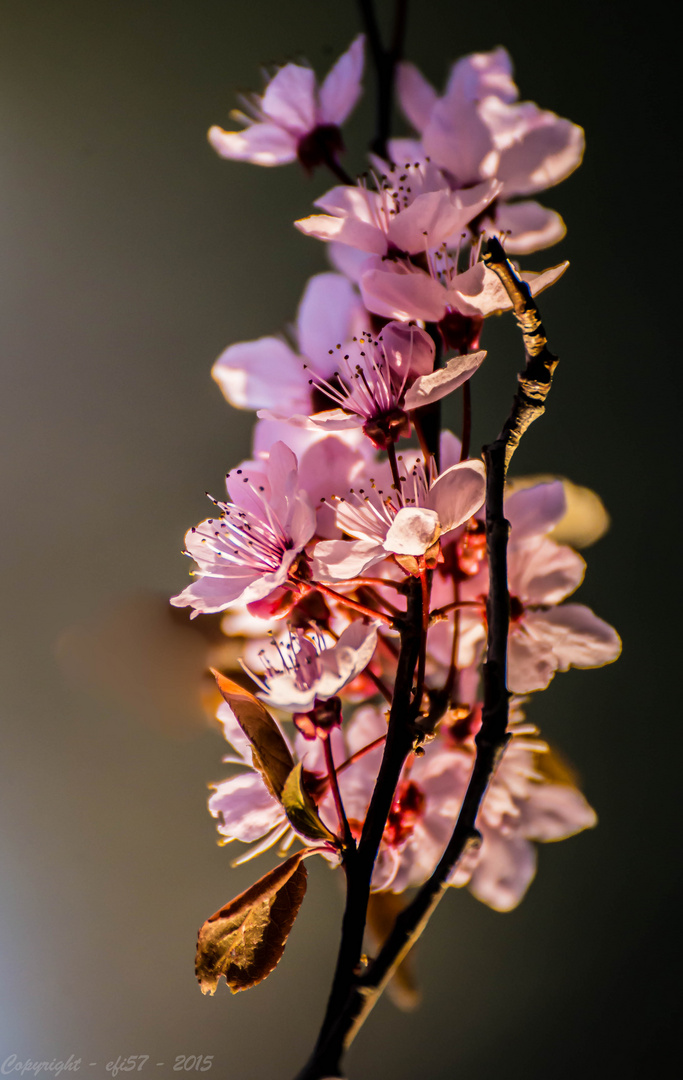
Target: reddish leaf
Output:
[(245, 940)]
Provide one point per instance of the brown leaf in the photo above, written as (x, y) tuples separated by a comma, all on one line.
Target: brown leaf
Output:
[(383, 910), (301, 810), (245, 940), (270, 751)]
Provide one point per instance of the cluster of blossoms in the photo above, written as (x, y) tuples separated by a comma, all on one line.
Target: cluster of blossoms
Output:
[(352, 493)]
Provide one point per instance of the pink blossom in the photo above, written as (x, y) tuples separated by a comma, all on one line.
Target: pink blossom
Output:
[(269, 374), (246, 809), (294, 118), (521, 806), (407, 522), (248, 551), (397, 289), (380, 381), (545, 635), (478, 129), (405, 217), (303, 667)]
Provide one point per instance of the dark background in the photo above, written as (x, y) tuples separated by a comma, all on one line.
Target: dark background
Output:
[(130, 256)]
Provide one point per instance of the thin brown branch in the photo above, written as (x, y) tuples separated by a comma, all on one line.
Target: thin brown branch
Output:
[(385, 61), (401, 733)]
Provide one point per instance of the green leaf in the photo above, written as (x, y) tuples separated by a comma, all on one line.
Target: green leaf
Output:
[(269, 749), (301, 810), (245, 940)]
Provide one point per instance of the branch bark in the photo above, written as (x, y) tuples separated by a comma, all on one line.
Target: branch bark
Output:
[(385, 61)]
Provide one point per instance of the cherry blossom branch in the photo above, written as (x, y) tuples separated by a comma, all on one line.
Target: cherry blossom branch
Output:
[(492, 737), (385, 61), (401, 733)]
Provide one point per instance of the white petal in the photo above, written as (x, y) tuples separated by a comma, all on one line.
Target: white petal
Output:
[(543, 572), (581, 639), (481, 75), (413, 531)]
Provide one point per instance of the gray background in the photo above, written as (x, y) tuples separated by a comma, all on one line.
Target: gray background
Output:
[(130, 255)]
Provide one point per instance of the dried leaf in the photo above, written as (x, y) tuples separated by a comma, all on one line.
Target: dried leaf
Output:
[(383, 910), (246, 939), (270, 751), (301, 810)]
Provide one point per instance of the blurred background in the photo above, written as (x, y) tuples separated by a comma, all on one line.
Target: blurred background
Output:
[(130, 256)]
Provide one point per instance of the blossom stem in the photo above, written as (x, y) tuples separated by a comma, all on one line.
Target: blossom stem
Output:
[(456, 605), (430, 415), (425, 587), (386, 583), (355, 605), (370, 593), (453, 667), (338, 170), (347, 837), (419, 431), (379, 683), (466, 420), (395, 474), (361, 753)]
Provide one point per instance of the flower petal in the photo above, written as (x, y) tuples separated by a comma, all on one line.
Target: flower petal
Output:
[(504, 871), (262, 374), (527, 226), (289, 99), (413, 531), (399, 293), (416, 95), (535, 510), (342, 560), (245, 808), (556, 811), (433, 387), (262, 144), (458, 493), (326, 316), (342, 87)]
